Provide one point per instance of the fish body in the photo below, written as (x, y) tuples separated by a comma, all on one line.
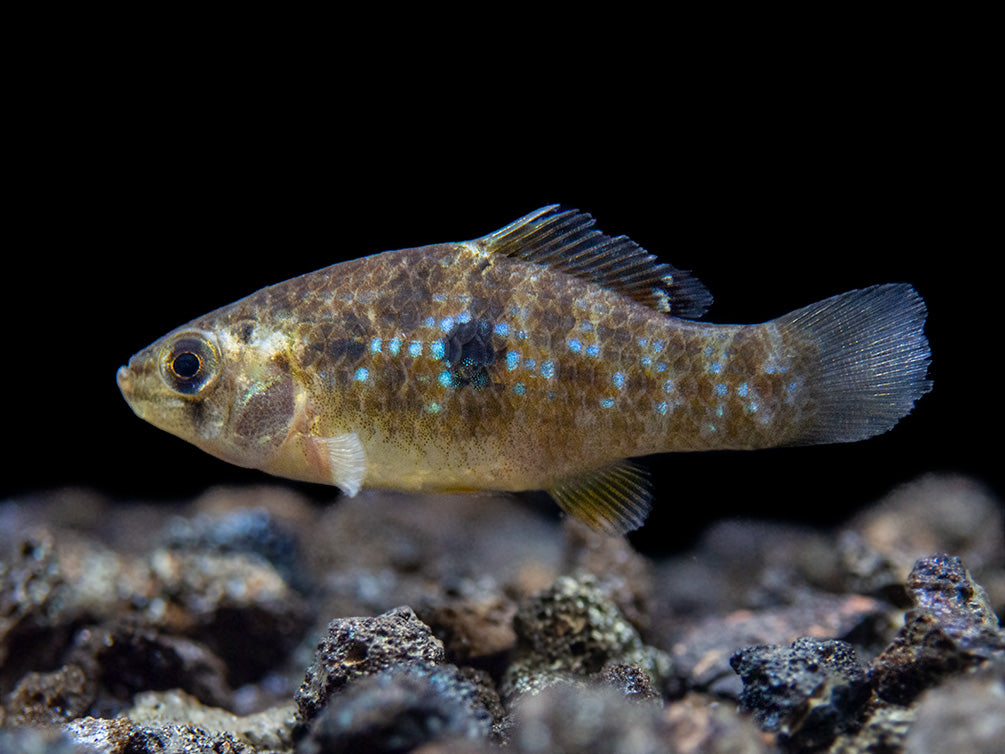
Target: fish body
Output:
[(538, 357)]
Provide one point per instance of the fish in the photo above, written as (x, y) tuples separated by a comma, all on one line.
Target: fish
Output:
[(543, 356)]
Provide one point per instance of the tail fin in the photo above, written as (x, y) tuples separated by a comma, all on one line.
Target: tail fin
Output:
[(873, 360)]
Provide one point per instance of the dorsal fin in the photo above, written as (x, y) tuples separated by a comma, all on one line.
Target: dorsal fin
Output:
[(567, 241)]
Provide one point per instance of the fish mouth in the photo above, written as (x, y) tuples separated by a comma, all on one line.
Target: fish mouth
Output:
[(124, 379)]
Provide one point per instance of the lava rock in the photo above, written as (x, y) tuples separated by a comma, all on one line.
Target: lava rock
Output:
[(573, 629), (48, 698), (950, 629), (807, 693), (702, 654), (121, 736), (357, 647), (398, 710)]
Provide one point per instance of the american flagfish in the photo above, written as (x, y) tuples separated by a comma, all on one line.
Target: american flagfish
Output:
[(538, 357)]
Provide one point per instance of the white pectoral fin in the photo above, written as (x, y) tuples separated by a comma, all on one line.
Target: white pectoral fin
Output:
[(347, 461)]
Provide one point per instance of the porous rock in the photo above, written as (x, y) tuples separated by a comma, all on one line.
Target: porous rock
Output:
[(951, 628), (573, 629), (807, 693), (356, 647), (398, 710)]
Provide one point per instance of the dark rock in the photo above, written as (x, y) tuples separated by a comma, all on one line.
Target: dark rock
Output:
[(48, 698), (950, 629), (702, 654), (883, 732), (574, 629), (476, 626), (631, 681), (236, 604), (121, 736), (398, 710), (126, 657), (807, 693), (357, 647)]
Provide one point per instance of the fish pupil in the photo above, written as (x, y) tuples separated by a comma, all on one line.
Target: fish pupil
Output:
[(186, 365)]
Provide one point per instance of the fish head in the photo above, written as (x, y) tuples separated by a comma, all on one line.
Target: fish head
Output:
[(231, 396)]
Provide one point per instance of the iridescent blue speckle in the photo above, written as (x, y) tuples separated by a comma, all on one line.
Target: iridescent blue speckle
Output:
[(593, 350), (715, 368), (519, 388), (446, 379), (586, 326), (437, 349), (721, 389), (548, 369), (430, 322), (394, 345), (661, 367), (464, 317), (657, 346), (719, 411), (447, 324), (742, 389), (607, 402), (361, 374), (646, 361), (502, 329), (668, 386), (415, 348), (575, 346), (512, 360), (619, 380), (375, 345), (529, 363), (433, 408), (661, 408)]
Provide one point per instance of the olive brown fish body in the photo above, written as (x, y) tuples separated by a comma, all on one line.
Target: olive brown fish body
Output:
[(538, 357)]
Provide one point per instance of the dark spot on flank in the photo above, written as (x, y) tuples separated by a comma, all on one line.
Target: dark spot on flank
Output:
[(351, 349), (469, 350)]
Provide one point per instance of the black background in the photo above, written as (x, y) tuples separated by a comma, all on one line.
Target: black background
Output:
[(153, 186)]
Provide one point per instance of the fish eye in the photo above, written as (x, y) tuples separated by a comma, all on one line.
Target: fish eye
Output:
[(189, 363)]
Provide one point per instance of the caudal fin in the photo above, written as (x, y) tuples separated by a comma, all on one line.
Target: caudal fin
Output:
[(873, 361)]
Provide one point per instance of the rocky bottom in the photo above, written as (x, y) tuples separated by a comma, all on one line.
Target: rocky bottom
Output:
[(254, 621)]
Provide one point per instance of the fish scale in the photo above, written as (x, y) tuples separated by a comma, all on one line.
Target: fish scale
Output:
[(541, 356)]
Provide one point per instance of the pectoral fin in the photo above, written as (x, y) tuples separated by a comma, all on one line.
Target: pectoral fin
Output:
[(343, 458), (614, 499)]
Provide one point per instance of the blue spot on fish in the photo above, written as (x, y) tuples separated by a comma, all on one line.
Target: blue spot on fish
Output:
[(446, 379), (415, 348), (661, 408), (657, 346), (529, 363), (742, 389), (437, 349), (375, 345), (721, 389), (361, 374), (668, 386), (575, 346), (447, 324), (502, 329), (646, 361), (430, 322), (464, 317), (715, 368), (433, 408), (512, 360), (592, 350), (519, 388), (394, 345), (548, 369), (607, 402), (619, 380)]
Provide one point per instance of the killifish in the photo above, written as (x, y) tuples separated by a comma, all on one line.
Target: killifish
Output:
[(542, 356)]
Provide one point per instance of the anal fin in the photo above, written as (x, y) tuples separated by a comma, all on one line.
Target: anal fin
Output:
[(614, 499)]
